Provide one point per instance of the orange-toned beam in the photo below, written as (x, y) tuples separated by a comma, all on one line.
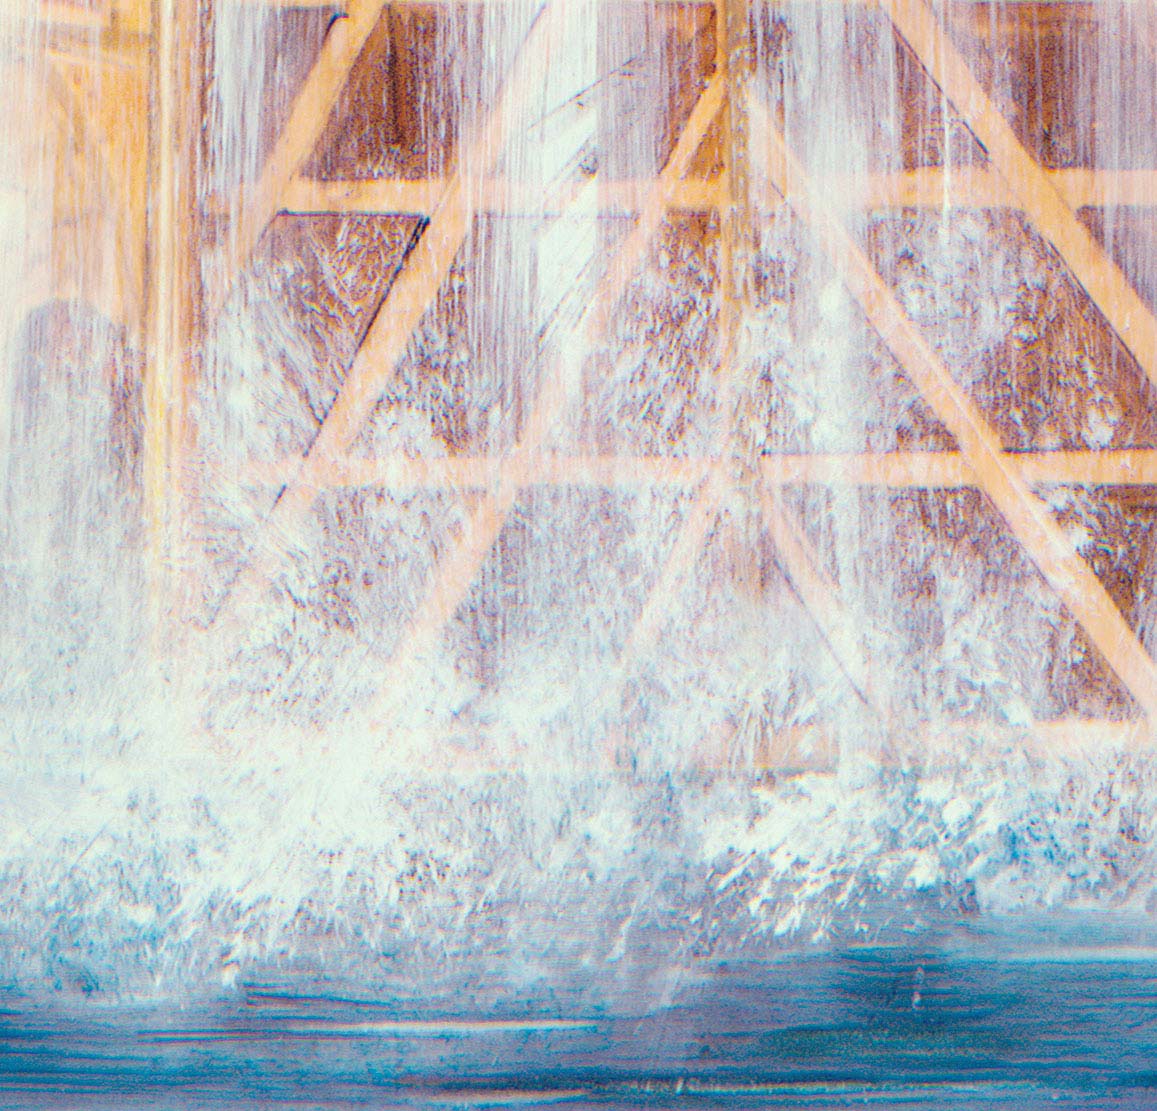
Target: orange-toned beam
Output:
[(173, 298), (930, 470), (819, 595), (497, 195), (981, 187), (964, 187), (454, 577), (1035, 193), (815, 748), (701, 518), (704, 514), (1027, 516), (307, 120), (631, 252), (411, 294), (797, 559), (429, 3)]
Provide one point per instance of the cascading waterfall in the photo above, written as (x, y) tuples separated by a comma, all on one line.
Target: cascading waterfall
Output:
[(455, 695)]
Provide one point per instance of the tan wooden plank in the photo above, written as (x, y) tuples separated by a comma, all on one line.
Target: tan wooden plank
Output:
[(1098, 188), (963, 187), (818, 594), (497, 196), (1027, 516), (307, 120), (453, 579), (679, 3), (931, 470), (1035, 193), (172, 296), (411, 294), (701, 518)]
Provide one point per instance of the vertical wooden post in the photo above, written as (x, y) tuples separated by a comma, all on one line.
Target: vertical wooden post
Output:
[(172, 315)]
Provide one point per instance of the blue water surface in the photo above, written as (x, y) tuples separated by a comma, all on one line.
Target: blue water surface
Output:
[(1035, 1016)]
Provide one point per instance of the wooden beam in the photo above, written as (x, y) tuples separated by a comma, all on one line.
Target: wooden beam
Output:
[(339, 4), (314, 4), (812, 749), (819, 596), (964, 187), (809, 749), (1027, 516), (1035, 193), (797, 560), (453, 579), (951, 469), (75, 17), (1086, 187), (496, 195), (411, 294), (899, 470), (172, 309), (981, 187), (653, 208), (307, 120)]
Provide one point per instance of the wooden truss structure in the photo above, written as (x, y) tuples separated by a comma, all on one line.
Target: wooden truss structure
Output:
[(757, 177)]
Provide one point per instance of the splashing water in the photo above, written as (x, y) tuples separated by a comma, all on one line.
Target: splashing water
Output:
[(535, 659)]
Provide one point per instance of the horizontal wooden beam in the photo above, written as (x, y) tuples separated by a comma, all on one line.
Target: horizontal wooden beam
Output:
[(964, 187), (980, 187), (813, 748), (816, 748), (496, 196), (458, 568), (339, 4), (895, 470)]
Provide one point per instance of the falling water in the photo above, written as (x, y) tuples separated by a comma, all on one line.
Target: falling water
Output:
[(544, 653)]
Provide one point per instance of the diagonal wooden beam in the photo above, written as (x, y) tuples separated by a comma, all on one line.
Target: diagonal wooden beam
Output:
[(704, 513), (653, 208), (454, 577), (702, 518), (818, 596), (1030, 185), (1027, 516), (299, 137), (411, 294)]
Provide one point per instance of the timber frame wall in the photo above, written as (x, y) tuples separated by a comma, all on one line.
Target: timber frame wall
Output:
[(754, 173)]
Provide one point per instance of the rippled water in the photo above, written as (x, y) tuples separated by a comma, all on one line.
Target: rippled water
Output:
[(1034, 1018)]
